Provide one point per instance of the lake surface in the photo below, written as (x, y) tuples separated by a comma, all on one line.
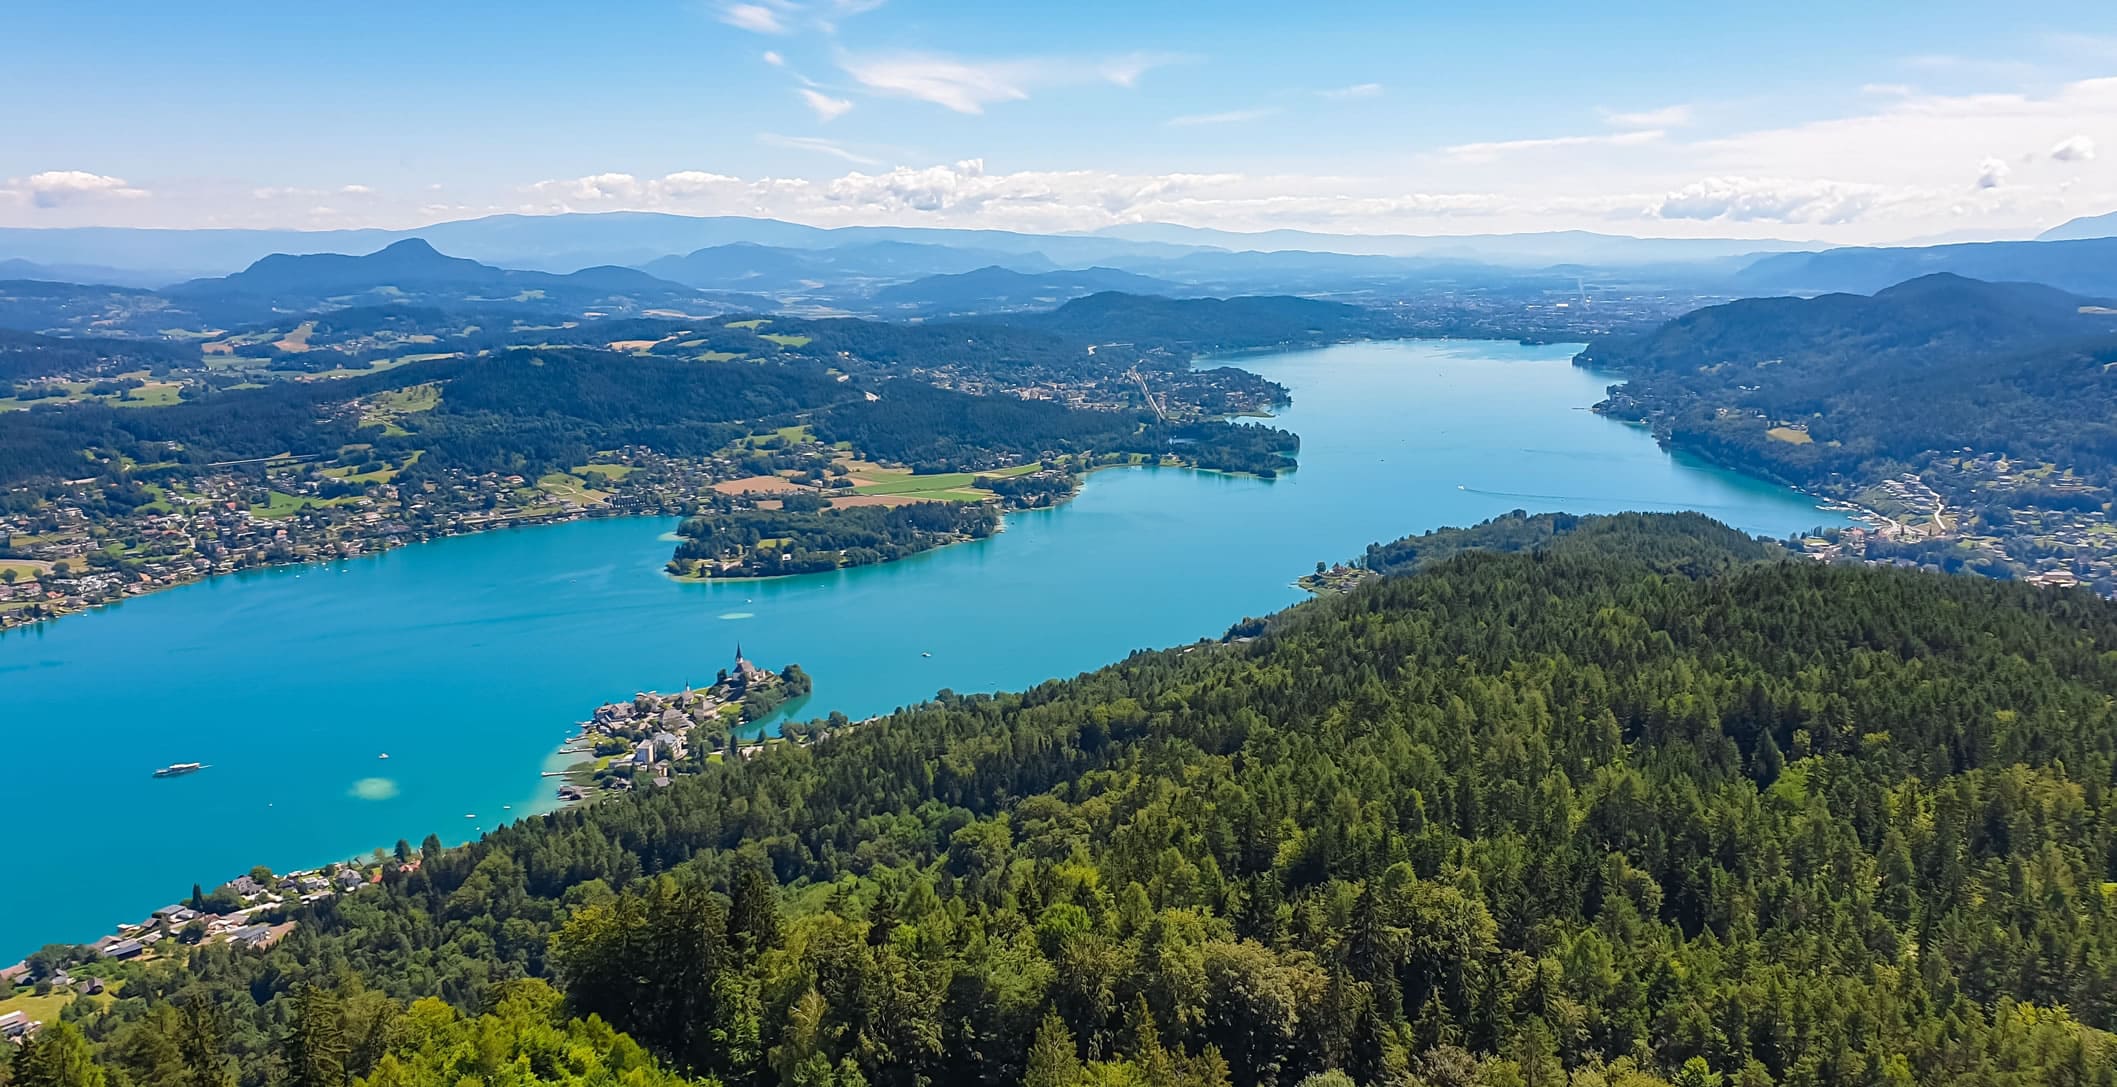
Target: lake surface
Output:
[(468, 660)]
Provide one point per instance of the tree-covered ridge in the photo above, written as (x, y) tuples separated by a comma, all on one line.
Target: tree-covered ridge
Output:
[(1690, 543), (1555, 816), (1841, 390)]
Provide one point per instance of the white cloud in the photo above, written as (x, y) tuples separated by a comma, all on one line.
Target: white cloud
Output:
[(772, 57), (968, 86), (54, 188), (757, 18), (1490, 151), (1356, 90), (1230, 117), (963, 86), (818, 145), (1992, 173), (1664, 118), (356, 190), (2074, 149), (1778, 200), (826, 107)]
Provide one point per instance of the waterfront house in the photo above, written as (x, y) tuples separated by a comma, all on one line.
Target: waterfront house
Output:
[(124, 949)]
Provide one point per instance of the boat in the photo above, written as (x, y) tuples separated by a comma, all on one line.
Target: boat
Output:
[(179, 769), (384, 755), (926, 654)]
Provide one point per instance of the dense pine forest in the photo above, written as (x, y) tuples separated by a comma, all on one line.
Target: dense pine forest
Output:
[(1630, 804)]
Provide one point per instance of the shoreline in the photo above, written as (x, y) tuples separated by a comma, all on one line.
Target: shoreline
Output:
[(587, 513), (536, 794)]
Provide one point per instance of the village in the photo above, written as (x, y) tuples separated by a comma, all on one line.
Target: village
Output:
[(650, 737), (82, 549), (248, 913)]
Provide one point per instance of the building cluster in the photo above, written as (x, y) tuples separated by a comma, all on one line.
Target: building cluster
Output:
[(247, 913), (79, 550)]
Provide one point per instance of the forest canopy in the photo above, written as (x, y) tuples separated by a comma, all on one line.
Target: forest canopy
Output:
[(1634, 805)]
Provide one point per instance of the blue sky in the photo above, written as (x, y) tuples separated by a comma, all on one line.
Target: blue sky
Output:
[(1869, 122)]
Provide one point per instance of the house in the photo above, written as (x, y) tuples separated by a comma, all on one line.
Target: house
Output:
[(246, 887), (17, 1025), (349, 879), (124, 949)]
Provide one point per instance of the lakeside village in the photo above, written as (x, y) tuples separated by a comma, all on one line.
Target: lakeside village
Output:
[(94, 543), (652, 736), (137, 529), (643, 741)]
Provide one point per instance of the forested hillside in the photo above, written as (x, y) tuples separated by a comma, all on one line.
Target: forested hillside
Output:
[(1561, 816), (1843, 389)]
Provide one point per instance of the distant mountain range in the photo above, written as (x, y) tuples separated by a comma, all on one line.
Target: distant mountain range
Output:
[(409, 271), (2087, 226), (567, 242), (993, 288), (749, 266), (2085, 266)]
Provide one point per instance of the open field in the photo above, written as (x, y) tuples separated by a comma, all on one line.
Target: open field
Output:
[(1789, 435), (281, 507), (759, 485), (297, 341), (871, 479), (753, 324), (784, 340), (561, 485)]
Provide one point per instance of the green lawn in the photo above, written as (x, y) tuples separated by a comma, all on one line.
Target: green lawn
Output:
[(154, 394), (612, 471), (281, 507), (561, 485), (752, 325), (952, 486), (784, 340)]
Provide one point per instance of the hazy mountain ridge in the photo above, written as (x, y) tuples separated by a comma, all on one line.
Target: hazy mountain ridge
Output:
[(2084, 266)]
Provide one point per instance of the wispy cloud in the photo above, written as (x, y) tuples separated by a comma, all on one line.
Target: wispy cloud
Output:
[(757, 18), (826, 107), (1666, 117), (772, 57), (1357, 90), (818, 145), (1230, 117), (969, 86), (1496, 149)]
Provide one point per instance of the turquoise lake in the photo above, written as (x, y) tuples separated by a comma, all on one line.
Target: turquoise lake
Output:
[(468, 660)]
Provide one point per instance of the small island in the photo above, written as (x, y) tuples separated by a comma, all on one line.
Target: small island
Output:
[(647, 739)]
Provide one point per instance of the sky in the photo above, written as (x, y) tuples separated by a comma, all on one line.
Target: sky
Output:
[(1846, 123)]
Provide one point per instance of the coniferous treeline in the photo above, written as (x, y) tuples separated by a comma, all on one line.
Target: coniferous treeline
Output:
[(1621, 808)]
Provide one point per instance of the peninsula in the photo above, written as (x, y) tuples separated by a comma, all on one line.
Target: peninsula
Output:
[(650, 737)]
